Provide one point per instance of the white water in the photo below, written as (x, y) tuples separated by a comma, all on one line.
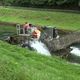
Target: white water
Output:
[(75, 51), (40, 47)]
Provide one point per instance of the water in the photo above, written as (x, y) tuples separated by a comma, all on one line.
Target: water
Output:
[(40, 47), (75, 54), (75, 50), (5, 35)]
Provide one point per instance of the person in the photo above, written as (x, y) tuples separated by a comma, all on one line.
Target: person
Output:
[(27, 27), (36, 34), (45, 27), (55, 33)]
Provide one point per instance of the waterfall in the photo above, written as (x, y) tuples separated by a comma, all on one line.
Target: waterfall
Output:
[(39, 47)]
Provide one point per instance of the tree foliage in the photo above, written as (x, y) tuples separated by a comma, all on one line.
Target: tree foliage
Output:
[(42, 3)]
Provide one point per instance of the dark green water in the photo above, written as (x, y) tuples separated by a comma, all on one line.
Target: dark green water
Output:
[(4, 35)]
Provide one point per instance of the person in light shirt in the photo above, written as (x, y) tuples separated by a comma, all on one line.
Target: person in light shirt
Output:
[(36, 34)]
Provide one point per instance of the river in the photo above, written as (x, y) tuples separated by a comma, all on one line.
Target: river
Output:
[(75, 53)]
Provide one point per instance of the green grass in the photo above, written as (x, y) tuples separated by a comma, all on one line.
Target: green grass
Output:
[(63, 20), (17, 63), (21, 64)]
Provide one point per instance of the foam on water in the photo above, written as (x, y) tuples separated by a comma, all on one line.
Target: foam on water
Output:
[(75, 51), (40, 47)]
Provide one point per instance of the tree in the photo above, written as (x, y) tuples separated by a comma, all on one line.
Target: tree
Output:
[(51, 2), (38, 2)]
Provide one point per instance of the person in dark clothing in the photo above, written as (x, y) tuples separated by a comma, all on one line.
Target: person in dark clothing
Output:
[(54, 32), (44, 28)]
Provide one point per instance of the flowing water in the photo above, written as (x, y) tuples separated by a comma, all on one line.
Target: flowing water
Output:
[(75, 49), (75, 53), (5, 35), (40, 47)]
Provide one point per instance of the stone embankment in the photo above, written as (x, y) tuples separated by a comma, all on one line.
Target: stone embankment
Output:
[(63, 42)]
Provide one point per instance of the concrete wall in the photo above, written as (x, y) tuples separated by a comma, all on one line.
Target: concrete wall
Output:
[(63, 42)]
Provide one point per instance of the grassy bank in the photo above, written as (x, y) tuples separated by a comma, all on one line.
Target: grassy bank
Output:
[(50, 18), (21, 64)]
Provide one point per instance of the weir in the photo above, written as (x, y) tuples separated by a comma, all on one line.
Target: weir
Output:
[(63, 41), (54, 43), (59, 44)]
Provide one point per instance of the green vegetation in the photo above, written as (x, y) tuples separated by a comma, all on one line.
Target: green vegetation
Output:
[(62, 20), (42, 3), (17, 63)]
